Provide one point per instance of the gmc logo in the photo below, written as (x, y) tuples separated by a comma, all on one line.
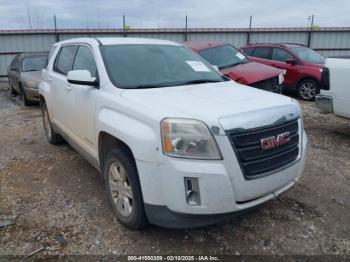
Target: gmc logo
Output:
[(275, 141)]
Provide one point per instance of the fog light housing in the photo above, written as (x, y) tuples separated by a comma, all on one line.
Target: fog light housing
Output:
[(192, 191)]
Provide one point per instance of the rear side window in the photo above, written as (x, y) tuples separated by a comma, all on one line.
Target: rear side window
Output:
[(262, 52), (14, 64), (84, 60), (64, 61), (248, 50), (281, 55)]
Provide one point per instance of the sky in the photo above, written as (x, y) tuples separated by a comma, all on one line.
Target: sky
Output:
[(33, 14)]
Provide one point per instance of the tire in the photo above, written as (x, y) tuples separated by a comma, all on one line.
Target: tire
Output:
[(308, 89), (13, 92), (25, 100), (123, 188), (52, 137)]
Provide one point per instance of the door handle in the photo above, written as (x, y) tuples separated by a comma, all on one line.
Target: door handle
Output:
[(49, 78), (68, 87)]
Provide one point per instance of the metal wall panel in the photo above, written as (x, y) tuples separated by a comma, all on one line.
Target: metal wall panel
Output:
[(5, 60), (237, 39), (279, 37), (329, 39)]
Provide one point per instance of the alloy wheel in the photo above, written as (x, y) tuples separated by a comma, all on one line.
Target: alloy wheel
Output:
[(308, 90), (120, 189), (46, 122)]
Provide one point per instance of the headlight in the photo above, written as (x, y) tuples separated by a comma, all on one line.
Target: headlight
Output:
[(32, 83), (188, 138), (280, 79)]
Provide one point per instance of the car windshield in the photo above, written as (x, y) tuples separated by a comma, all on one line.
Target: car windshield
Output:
[(223, 56), (308, 55), (151, 66), (34, 63)]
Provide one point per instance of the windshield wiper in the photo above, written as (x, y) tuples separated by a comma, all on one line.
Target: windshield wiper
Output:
[(198, 81), (234, 64)]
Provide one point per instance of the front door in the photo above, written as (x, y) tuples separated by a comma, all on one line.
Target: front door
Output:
[(82, 107)]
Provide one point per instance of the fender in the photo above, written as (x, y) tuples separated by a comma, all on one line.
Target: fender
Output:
[(140, 137)]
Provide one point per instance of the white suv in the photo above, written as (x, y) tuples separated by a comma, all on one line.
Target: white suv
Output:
[(178, 144)]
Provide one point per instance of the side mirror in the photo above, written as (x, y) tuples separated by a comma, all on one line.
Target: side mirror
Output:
[(81, 77), (291, 62)]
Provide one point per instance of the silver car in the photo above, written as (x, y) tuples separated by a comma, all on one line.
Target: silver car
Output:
[(24, 75)]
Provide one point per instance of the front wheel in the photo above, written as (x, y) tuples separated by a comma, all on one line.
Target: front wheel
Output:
[(123, 188), (308, 89), (25, 100)]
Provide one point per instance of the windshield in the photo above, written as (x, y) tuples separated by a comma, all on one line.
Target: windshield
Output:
[(34, 63), (223, 56), (149, 66), (308, 55)]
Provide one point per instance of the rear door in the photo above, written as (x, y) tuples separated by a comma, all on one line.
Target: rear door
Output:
[(261, 55), (60, 90), (279, 58)]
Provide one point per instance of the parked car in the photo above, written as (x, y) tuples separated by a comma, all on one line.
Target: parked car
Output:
[(303, 65), (178, 144), (335, 92), (233, 64), (24, 75)]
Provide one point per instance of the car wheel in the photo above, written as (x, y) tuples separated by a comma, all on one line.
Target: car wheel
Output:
[(308, 89), (52, 137), (123, 188), (13, 91), (25, 100)]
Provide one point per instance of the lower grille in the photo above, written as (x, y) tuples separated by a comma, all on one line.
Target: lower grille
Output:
[(255, 161), (268, 85)]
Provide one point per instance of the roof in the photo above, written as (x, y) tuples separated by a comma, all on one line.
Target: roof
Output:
[(276, 44), (119, 41), (201, 45)]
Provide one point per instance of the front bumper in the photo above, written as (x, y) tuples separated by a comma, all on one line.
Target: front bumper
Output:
[(32, 94), (223, 189), (324, 103)]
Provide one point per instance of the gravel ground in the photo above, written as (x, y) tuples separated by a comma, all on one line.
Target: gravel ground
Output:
[(57, 200)]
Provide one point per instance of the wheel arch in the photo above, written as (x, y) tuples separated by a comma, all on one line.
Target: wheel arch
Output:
[(106, 142), (306, 78)]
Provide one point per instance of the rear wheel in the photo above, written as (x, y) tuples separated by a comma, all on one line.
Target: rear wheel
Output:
[(123, 188), (52, 137), (308, 89), (13, 91)]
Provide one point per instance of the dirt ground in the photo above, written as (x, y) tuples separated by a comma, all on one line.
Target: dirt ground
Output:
[(57, 200)]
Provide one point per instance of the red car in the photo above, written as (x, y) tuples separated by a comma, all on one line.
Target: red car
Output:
[(233, 64), (303, 65)]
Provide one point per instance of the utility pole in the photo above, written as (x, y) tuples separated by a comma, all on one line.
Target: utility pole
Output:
[(55, 24), (310, 31), (186, 29), (250, 28), (124, 26)]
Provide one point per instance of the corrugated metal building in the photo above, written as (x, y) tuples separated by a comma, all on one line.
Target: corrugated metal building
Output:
[(328, 41)]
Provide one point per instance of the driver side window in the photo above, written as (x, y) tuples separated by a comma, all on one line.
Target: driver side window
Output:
[(84, 60)]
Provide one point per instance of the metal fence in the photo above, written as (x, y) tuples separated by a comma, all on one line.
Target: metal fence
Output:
[(333, 41)]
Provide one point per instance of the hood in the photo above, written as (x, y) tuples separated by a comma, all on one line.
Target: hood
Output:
[(205, 102), (32, 75), (251, 72)]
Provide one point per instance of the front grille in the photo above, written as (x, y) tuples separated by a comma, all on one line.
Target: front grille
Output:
[(268, 85), (256, 162)]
